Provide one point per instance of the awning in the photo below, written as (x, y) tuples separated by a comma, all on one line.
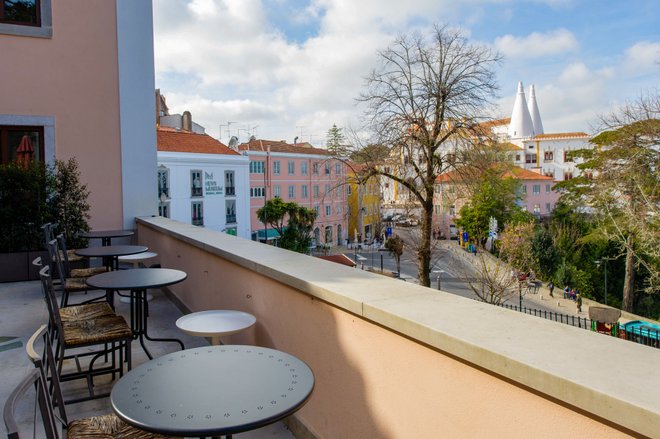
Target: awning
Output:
[(272, 234)]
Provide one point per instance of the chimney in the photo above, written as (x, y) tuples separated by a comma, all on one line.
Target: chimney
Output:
[(186, 121)]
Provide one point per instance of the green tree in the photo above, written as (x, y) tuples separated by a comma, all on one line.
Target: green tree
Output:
[(544, 253), (335, 141), (395, 246), (297, 234), (426, 94), (70, 202), (619, 183)]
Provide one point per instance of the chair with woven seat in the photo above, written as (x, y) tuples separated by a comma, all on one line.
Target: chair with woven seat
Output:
[(49, 235), (82, 311), (110, 333), (67, 285), (50, 397), (66, 262)]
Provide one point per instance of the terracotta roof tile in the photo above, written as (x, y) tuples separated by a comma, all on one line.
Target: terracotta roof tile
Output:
[(577, 134), (169, 139), (275, 146)]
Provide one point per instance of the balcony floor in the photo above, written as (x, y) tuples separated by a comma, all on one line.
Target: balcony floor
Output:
[(23, 310)]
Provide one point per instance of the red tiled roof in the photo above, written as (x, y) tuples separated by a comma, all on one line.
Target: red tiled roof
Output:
[(339, 259), (170, 139), (515, 172), (275, 146), (577, 134), (495, 123)]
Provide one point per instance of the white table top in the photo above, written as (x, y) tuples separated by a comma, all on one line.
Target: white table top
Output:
[(138, 256), (215, 322)]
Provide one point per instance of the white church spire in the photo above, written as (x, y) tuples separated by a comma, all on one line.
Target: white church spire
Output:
[(521, 122), (534, 111)]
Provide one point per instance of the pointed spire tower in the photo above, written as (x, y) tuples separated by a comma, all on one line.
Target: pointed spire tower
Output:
[(521, 122), (534, 111)]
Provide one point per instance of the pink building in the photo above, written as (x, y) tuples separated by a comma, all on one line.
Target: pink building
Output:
[(450, 196), (301, 173), (78, 79)]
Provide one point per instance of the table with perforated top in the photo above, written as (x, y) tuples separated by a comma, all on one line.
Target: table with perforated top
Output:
[(213, 391)]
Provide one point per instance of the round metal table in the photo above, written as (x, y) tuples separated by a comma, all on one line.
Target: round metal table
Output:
[(215, 323), (212, 391), (106, 235), (137, 281), (110, 253)]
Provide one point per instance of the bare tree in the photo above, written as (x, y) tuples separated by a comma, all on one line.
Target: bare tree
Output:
[(492, 281), (425, 99)]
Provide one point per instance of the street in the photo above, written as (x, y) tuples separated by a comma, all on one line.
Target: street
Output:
[(451, 264)]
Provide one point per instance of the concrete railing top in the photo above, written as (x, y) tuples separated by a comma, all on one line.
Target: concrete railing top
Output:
[(605, 376)]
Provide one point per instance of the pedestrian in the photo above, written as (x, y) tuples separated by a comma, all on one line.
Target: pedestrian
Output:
[(578, 300), (566, 290), (551, 287)]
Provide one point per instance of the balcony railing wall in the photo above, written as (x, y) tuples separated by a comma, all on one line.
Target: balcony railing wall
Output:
[(394, 359)]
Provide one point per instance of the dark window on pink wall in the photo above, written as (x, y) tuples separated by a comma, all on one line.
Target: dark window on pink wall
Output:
[(10, 143), (21, 12)]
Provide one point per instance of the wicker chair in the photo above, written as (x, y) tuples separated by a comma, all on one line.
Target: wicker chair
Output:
[(110, 333), (49, 235), (83, 311), (67, 285), (66, 263), (50, 396)]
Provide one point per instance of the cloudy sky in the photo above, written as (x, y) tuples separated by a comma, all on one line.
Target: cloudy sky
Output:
[(285, 68)]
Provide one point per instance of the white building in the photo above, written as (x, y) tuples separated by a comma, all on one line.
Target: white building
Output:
[(203, 182), (544, 153)]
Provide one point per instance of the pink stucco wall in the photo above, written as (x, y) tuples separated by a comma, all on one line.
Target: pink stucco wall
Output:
[(370, 382), (72, 77)]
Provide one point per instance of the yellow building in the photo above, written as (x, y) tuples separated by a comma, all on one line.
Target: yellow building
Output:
[(363, 206)]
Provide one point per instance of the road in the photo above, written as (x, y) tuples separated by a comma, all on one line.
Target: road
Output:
[(451, 264)]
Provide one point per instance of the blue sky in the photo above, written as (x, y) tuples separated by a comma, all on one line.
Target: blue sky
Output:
[(285, 68)]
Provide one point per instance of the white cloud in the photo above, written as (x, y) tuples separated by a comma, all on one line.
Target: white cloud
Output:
[(643, 57), (537, 44)]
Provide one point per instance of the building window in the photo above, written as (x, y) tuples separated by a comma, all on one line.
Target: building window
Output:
[(328, 210), (328, 234), (292, 167), (327, 190), (277, 191), (257, 192), (338, 168), (338, 209), (338, 192), (197, 215), (163, 183), (548, 188), (276, 167), (568, 175), (304, 191), (548, 156), (30, 18), (536, 189), (292, 192), (230, 211), (230, 189), (548, 208), (317, 209), (316, 191), (530, 158), (537, 209), (327, 168), (349, 191), (21, 144), (256, 167), (164, 209), (303, 168), (196, 183), (315, 168), (568, 156), (524, 188), (452, 210), (518, 157)]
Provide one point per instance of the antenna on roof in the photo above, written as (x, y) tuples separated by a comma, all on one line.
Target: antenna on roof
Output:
[(233, 143)]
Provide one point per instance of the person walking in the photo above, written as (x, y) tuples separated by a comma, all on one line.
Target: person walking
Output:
[(551, 287), (578, 300)]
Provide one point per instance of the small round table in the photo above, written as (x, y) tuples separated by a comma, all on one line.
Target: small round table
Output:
[(135, 260), (215, 323), (110, 253), (212, 390), (106, 235), (138, 280)]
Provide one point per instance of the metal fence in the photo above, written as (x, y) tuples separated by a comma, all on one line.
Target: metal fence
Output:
[(644, 335)]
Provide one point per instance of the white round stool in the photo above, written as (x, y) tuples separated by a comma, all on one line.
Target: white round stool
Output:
[(215, 323), (135, 260)]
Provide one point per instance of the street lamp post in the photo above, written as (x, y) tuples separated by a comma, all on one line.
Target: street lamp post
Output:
[(439, 273), (603, 260)]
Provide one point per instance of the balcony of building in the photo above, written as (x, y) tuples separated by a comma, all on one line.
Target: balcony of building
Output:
[(397, 360)]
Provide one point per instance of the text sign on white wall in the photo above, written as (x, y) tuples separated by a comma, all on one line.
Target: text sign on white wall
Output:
[(211, 186)]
